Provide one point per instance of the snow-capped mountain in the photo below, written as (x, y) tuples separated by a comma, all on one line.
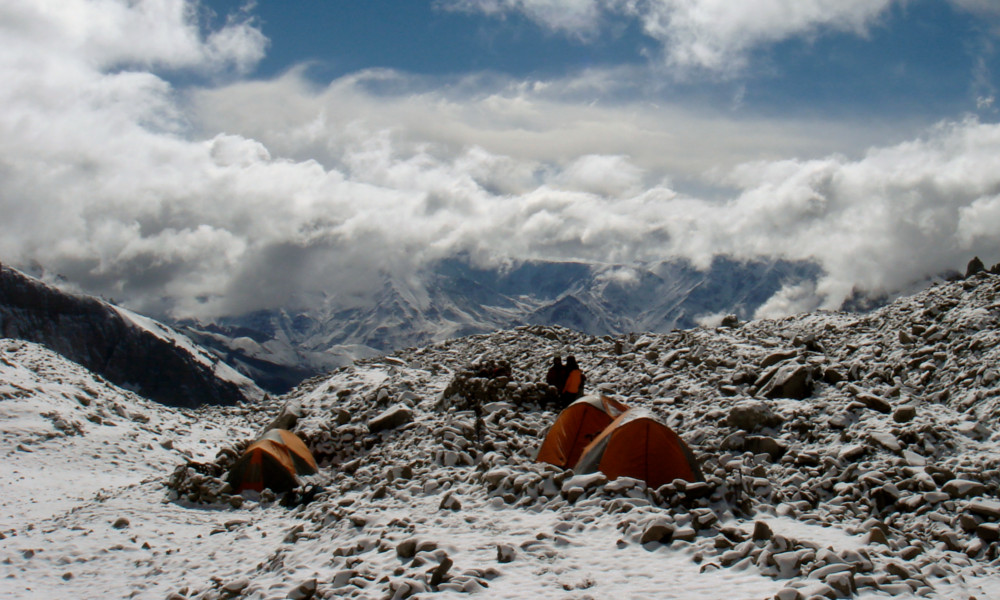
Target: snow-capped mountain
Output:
[(128, 349), (845, 456), (281, 347)]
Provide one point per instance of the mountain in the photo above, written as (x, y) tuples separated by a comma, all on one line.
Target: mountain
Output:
[(845, 456), (279, 348), (129, 350)]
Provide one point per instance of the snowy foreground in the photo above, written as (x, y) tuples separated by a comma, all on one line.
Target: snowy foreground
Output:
[(845, 456)]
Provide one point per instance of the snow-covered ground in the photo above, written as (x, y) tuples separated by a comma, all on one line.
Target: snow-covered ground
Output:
[(844, 455)]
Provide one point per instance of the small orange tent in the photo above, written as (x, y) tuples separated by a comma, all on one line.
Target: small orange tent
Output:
[(637, 445), (272, 462), (575, 427)]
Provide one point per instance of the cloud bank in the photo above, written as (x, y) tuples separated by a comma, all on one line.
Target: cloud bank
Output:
[(231, 197)]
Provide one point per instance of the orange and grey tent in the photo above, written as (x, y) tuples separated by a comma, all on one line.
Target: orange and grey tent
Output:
[(272, 462), (637, 445), (575, 427)]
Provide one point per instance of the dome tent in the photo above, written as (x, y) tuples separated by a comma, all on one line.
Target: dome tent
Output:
[(575, 427), (272, 462), (637, 445)]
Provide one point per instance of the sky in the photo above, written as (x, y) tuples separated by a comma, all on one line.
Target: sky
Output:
[(200, 159)]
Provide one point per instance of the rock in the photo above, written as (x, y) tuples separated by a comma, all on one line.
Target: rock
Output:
[(913, 459), (777, 357), (391, 418), (975, 266), (886, 440), (234, 587), (985, 508), (287, 418), (905, 338), (988, 532), (851, 453), (876, 536), (658, 532), (843, 583), (789, 381), (120, 523), (788, 594), (766, 445), (875, 403), (963, 488), (506, 553), (450, 502), (304, 591), (751, 415), (904, 414), (762, 531), (730, 321), (439, 573), (407, 548)]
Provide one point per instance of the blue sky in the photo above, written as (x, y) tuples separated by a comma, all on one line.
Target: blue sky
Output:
[(928, 58), (206, 158)]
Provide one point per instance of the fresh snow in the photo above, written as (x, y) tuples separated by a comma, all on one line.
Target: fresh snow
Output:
[(86, 512)]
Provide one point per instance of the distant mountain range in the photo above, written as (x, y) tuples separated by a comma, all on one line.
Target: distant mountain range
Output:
[(281, 347)]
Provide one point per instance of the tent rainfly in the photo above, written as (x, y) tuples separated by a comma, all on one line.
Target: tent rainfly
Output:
[(575, 427), (272, 462), (637, 445)]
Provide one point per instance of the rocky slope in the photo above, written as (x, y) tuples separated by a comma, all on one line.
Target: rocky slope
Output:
[(128, 349), (845, 456)]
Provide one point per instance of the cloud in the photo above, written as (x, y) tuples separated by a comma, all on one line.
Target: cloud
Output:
[(576, 18), (707, 35), (254, 194)]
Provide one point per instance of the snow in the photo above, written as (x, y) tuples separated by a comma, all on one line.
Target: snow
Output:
[(85, 511), (219, 368)]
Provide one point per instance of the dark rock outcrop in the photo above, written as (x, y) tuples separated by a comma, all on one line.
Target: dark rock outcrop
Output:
[(94, 334)]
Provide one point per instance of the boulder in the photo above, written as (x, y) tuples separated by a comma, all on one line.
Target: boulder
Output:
[(985, 508), (875, 403), (789, 381), (964, 488), (658, 532), (904, 414), (391, 418), (975, 266), (751, 415)]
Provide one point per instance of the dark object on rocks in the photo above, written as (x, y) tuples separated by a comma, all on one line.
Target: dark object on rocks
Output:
[(294, 498), (730, 321), (975, 266)]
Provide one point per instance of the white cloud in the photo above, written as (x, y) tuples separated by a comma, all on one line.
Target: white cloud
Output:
[(577, 18), (713, 35), (243, 196)]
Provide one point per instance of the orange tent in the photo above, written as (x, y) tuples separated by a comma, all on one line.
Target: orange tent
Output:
[(272, 462), (637, 445), (575, 427)]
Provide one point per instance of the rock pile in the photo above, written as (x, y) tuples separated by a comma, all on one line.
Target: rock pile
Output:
[(877, 426)]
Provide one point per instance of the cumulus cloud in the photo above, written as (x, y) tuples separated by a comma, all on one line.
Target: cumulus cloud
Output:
[(250, 195)]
